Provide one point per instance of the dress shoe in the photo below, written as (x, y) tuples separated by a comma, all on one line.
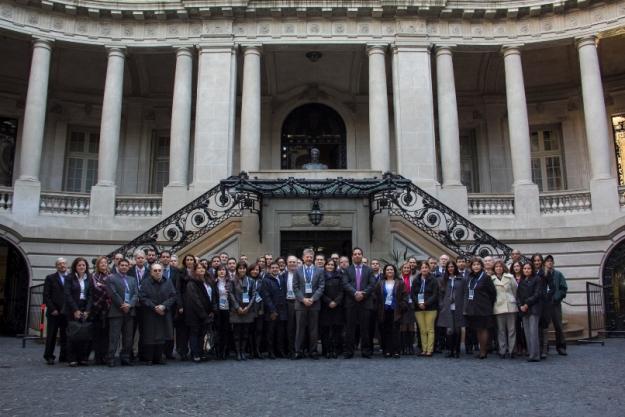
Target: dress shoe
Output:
[(271, 356), (348, 356), (366, 355), (197, 359), (334, 355), (127, 363), (297, 356), (50, 361), (314, 356), (111, 364), (562, 352), (83, 363), (170, 357), (396, 356), (73, 364), (184, 358), (457, 355), (449, 355), (161, 362), (533, 360), (543, 356)]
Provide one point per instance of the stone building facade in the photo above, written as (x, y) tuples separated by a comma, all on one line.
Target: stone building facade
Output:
[(116, 114)]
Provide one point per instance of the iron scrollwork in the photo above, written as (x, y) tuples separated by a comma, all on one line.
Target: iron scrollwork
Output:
[(404, 199)]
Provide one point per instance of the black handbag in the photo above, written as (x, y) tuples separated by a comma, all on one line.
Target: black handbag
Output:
[(80, 330)]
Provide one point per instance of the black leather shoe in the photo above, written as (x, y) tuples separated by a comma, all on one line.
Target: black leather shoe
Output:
[(50, 361), (271, 356), (297, 356), (366, 355), (127, 363), (111, 364), (314, 356), (348, 356), (562, 352)]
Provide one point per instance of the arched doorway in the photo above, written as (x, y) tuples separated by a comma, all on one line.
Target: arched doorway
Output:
[(313, 125), (14, 280), (614, 288)]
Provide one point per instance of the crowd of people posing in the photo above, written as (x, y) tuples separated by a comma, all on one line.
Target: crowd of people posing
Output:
[(228, 307)]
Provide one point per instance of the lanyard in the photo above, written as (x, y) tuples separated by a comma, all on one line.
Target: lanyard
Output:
[(453, 281), (476, 282), (422, 290), (308, 274)]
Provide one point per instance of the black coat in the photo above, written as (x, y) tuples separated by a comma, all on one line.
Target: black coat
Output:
[(72, 295), (333, 291), (198, 306), (530, 292), (399, 295), (430, 292), (367, 283), (53, 294), (274, 296), (156, 328), (485, 295)]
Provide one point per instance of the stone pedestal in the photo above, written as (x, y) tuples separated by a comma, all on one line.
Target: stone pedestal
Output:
[(174, 198), (102, 201), (455, 196), (604, 197), (26, 198), (526, 203)]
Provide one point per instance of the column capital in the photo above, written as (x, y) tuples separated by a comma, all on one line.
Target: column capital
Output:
[(511, 49), (421, 48), (586, 40), (217, 46), (186, 50), (39, 42), (444, 49), (376, 48), (116, 50), (252, 48)]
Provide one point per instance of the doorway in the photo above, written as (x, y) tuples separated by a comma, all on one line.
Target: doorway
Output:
[(14, 280), (310, 126), (322, 241), (614, 289)]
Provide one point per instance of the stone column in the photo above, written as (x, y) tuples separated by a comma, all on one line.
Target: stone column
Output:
[(379, 143), (213, 115), (103, 193), (175, 194), (453, 192), (414, 129), (603, 184), (27, 187), (250, 109), (525, 191)]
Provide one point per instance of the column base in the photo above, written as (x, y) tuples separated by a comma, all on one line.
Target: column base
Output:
[(102, 201), (455, 196), (526, 203), (174, 198), (26, 198), (604, 197)]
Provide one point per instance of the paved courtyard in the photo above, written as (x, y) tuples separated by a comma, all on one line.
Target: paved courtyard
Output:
[(589, 382)]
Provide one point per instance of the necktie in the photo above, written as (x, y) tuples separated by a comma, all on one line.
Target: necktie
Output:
[(140, 273), (358, 278), (308, 274)]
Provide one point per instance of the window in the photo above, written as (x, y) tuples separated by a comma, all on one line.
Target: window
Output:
[(547, 160), (8, 133), (81, 161), (468, 161), (160, 166), (618, 124)]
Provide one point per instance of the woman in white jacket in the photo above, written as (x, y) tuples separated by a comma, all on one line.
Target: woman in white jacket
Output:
[(505, 310)]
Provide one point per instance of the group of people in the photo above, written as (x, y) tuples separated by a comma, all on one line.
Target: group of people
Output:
[(222, 307)]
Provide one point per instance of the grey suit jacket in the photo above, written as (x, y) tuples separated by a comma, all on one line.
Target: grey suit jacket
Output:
[(117, 290), (299, 286)]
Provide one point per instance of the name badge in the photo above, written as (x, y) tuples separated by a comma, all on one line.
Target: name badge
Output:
[(290, 294), (421, 298), (452, 307), (409, 299), (308, 288), (223, 303), (246, 298), (471, 294), (258, 298), (389, 299)]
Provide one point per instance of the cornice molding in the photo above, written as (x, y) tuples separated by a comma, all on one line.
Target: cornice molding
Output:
[(595, 18)]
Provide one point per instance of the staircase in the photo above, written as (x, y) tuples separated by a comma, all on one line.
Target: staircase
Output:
[(392, 194)]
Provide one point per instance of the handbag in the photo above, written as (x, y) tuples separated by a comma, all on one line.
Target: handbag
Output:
[(79, 330), (209, 340)]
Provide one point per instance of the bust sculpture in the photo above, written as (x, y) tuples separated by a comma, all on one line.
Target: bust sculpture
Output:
[(314, 160)]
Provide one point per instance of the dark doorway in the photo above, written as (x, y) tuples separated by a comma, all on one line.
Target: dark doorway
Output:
[(614, 289), (14, 279), (8, 135), (313, 126), (322, 241)]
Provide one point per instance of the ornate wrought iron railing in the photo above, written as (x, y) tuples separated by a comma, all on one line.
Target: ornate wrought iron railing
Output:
[(392, 193)]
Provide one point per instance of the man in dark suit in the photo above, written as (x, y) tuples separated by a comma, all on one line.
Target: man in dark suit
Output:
[(54, 299), (358, 284), (291, 323), (273, 292), (124, 296), (308, 286), (138, 272), (171, 274)]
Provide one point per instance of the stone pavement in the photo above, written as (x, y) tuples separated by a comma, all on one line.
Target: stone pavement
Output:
[(588, 383)]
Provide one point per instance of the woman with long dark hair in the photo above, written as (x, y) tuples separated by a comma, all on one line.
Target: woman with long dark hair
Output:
[(529, 295), (222, 319), (331, 317), (198, 310), (390, 299), (101, 303), (479, 297), (242, 298), (78, 303), (516, 270), (452, 303), (408, 321), (425, 300), (257, 328)]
